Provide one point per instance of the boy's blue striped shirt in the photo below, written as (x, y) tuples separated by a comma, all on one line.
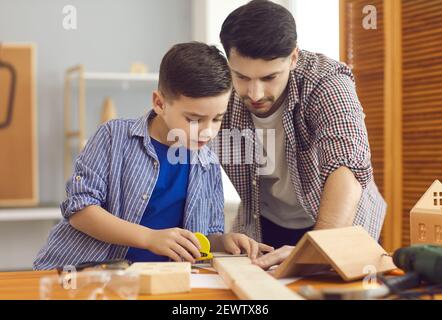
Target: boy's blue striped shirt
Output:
[(118, 170)]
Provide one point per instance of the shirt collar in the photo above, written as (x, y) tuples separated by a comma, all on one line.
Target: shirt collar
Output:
[(140, 128), (293, 94)]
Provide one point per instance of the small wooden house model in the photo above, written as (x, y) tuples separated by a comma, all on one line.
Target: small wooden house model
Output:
[(426, 217)]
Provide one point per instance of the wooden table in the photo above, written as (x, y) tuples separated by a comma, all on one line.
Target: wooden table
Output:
[(25, 286)]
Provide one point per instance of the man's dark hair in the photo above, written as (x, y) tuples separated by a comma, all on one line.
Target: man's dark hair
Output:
[(260, 29), (194, 70)]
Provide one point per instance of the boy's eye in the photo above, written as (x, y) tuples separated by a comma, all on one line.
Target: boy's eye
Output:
[(268, 78), (218, 119), (192, 120)]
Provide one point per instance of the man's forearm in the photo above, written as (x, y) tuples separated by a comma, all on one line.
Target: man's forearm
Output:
[(339, 200), (102, 225)]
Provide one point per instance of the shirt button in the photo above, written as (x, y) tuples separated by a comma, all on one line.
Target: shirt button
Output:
[(144, 196), (78, 178), (254, 182), (255, 216), (155, 164)]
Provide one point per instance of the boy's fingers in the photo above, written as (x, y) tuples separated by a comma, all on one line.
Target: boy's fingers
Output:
[(191, 236), (172, 255), (183, 253), (189, 246), (244, 243), (231, 247)]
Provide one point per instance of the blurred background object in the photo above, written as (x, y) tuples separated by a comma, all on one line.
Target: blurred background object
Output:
[(18, 144), (397, 62), (108, 110), (138, 67), (109, 36)]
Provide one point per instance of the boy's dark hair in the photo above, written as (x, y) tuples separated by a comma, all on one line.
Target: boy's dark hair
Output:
[(194, 70), (260, 29)]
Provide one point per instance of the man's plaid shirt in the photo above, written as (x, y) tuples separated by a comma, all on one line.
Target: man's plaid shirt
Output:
[(324, 128)]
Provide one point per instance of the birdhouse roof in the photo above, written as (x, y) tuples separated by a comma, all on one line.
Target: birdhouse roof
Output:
[(431, 200)]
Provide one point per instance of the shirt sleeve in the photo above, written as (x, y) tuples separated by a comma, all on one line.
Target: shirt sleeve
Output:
[(216, 224), (88, 184), (340, 132)]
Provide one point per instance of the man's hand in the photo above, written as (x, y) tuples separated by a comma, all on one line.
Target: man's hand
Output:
[(235, 243), (273, 258), (175, 243)]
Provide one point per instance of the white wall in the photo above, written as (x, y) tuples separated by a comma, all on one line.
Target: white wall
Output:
[(20, 242), (317, 23), (209, 15)]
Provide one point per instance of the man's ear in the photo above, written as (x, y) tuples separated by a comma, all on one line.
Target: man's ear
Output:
[(294, 58), (158, 102)]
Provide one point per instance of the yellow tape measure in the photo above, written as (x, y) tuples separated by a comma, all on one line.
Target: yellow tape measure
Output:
[(205, 247)]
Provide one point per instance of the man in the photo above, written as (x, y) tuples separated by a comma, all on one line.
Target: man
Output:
[(322, 175)]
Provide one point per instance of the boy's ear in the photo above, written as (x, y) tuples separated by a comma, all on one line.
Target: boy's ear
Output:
[(158, 102), (294, 58)]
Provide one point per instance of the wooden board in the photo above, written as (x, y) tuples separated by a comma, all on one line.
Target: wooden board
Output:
[(350, 251), (162, 277), (18, 140), (250, 282)]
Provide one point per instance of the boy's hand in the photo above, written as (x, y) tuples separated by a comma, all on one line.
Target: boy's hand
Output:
[(175, 243), (235, 243)]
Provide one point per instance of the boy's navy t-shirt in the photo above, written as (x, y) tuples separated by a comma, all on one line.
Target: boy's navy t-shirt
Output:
[(166, 205)]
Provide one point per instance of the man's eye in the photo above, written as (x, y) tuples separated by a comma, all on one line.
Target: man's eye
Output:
[(241, 77), (268, 78), (192, 120), (218, 120)]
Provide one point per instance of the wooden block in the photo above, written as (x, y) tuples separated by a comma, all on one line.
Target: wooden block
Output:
[(162, 277), (250, 282), (350, 251)]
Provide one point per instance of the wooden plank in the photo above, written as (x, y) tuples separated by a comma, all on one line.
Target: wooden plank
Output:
[(18, 141), (250, 282)]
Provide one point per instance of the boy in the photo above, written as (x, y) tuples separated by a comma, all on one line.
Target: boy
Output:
[(129, 198)]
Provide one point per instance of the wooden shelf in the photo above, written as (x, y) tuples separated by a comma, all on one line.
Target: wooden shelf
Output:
[(119, 76), (79, 76), (30, 214)]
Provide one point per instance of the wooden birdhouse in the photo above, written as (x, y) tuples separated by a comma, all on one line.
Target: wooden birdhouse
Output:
[(426, 217)]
